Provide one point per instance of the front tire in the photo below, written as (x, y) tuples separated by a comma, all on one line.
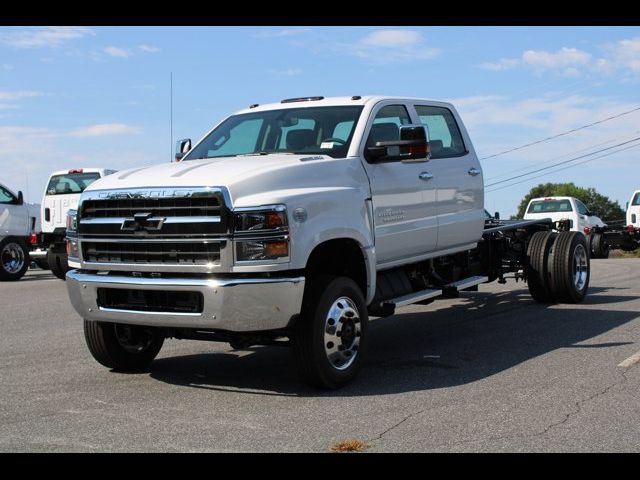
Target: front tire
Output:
[(330, 337), (123, 347), (14, 260)]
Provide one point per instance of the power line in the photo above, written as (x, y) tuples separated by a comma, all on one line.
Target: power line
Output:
[(553, 159), (563, 162), (564, 168), (562, 134)]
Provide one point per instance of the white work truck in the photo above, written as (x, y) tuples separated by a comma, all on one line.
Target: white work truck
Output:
[(564, 208), (633, 210), (291, 223), (17, 221), (61, 195)]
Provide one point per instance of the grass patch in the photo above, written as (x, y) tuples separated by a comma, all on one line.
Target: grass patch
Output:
[(353, 445)]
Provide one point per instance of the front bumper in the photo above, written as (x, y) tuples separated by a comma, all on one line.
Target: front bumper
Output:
[(233, 304)]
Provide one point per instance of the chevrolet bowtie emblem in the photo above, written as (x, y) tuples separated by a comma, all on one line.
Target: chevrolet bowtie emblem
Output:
[(142, 222)]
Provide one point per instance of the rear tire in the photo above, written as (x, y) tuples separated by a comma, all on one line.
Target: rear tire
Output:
[(123, 347), (14, 260), (329, 338), (570, 267), (599, 249), (537, 270), (58, 264)]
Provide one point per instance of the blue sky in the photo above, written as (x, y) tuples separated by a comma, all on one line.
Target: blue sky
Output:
[(99, 96)]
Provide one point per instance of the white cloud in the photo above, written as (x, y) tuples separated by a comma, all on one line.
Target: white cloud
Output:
[(8, 95), (502, 64), (148, 48), (623, 54), (116, 52), (384, 47), (289, 72), (44, 36), (103, 129), (392, 38), (563, 58), (287, 32)]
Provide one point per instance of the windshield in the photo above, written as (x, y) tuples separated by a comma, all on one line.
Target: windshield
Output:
[(550, 206), (71, 183), (636, 199), (321, 130)]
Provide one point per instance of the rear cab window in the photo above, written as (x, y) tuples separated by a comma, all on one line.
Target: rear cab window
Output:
[(69, 183), (550, 206), (636, 199), (443, 132)]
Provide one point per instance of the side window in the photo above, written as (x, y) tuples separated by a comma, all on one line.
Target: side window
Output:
[(386, 124), (5, 196), (444, 135), (240, 139), (582, 210)]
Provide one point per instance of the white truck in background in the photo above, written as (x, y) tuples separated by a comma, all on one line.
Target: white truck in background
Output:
[(61, 195), (17, 221), (633, 210), (564, 208)]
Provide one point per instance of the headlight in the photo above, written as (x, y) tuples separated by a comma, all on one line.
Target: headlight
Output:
[(72, 221), (261, 234), (272, 218)]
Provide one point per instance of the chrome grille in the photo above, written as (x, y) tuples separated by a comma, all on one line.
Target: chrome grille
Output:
[(158, 253), (165, 207)]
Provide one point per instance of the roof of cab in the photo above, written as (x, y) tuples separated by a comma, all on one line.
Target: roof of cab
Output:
[(84, 170), (333, 102)]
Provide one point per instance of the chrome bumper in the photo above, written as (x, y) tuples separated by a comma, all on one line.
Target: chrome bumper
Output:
[(234, 304), (37, 254)]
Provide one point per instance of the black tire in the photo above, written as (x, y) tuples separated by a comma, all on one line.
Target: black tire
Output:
[(58, 264), (14, 260), (569, 266), (537, 271), (599, 249), (123, 347), (347, 334)]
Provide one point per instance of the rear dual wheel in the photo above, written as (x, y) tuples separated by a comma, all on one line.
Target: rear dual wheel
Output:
[(558, 267)]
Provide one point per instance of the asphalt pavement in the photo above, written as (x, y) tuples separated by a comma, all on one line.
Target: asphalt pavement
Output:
[(490, 371)]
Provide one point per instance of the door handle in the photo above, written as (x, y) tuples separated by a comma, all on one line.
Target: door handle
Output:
[(425, 176), (473, 171)]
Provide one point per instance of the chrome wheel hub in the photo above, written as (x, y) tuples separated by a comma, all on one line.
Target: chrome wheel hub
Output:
[(342, 333), (12, 258), (579, 267)]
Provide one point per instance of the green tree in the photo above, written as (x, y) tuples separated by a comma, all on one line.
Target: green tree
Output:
[(606, 209)]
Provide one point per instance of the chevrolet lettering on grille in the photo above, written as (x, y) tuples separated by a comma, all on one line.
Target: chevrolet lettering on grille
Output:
[(142, 222)]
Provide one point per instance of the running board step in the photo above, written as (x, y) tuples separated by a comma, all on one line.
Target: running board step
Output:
[(412, 298), (453, 288)]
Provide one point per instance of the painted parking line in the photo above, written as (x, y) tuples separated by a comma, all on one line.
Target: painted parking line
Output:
[(632, 360)]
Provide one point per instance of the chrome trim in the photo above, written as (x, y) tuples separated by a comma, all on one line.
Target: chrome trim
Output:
[(234, 304), (262, 208), (146, 239), (155, 192), (119, 220)]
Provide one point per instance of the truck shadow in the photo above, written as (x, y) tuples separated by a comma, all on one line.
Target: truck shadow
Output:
[(480, 335)]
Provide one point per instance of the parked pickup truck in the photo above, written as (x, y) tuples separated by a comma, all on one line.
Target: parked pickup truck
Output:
[(17, 221), (633, 210), (291, 223), (564, 208), (61, 195)]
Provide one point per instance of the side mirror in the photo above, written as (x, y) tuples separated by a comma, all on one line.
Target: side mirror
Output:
[(496, 215), (182, 147), (20, 198), (413, 145)]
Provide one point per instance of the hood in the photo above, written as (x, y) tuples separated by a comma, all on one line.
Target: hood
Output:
[(244, 176)]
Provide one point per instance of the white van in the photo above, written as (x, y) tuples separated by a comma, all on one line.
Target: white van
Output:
[(633, 210), (564, 208), (61, 195)]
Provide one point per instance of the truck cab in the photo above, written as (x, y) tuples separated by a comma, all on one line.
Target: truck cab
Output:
[(17, 220), (61, 194), (564, 208), (633, 210)]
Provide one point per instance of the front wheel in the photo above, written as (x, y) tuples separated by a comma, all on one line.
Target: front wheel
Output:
[(13, 260), (329, 338), (123, 347)]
